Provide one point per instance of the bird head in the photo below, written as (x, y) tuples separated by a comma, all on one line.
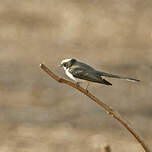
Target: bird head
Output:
[(67, 63)]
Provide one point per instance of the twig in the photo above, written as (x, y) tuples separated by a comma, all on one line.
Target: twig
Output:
[(110, 111)]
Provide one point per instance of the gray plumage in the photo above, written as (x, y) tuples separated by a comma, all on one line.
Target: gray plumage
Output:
[(83, 71)]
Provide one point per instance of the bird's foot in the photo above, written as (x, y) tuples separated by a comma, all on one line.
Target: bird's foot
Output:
[(87, 87), (87, 90), (78, 83)]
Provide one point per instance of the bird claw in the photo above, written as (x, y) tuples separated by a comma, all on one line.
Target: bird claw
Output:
[(87, 87), (78, 83), (87, 90)]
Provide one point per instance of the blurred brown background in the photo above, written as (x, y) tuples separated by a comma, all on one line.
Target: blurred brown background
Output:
[(38, 114)]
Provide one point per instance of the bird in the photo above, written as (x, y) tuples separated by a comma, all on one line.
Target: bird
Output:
[(80, 72)]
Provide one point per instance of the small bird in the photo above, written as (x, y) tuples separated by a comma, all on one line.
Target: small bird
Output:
[(80, 72)]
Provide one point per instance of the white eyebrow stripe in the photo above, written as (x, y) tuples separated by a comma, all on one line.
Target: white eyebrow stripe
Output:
[(65, 60)]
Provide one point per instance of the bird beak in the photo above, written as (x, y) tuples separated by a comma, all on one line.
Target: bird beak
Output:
[(60, 65)]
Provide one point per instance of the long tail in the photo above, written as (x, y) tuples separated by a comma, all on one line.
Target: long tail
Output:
[(117, 76)]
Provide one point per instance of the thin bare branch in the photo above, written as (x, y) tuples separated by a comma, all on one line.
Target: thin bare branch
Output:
[(110, 111)]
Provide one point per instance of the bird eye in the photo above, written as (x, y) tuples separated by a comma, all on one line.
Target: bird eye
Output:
[(64, 64)]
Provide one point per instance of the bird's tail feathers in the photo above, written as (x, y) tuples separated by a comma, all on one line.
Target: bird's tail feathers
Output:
[(117, 76), (130, 79)]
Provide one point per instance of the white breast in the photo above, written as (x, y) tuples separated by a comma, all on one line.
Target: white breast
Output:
[(70, 75)]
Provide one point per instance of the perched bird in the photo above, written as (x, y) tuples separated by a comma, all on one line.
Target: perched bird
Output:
[(80, 72)]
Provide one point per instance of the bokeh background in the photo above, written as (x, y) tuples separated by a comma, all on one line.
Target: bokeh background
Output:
[(38, 114)]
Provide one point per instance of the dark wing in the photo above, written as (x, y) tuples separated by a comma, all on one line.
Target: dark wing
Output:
[(85, 74)]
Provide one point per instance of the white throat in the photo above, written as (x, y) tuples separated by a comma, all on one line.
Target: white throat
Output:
[(65, 68), (69, 74)]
